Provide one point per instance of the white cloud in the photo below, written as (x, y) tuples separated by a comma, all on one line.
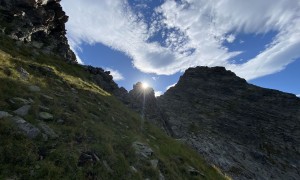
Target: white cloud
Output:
[(172, 85), (158, 93), (155, 78), (230, 38), (117, 76), (298, 95), (204, 26)]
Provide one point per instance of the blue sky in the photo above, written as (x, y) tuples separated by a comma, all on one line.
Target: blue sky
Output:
[(156, 40)]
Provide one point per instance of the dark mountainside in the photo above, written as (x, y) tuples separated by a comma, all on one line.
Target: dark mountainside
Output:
[(247, 131), (62, 120)]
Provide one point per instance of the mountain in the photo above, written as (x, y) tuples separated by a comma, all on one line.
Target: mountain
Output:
[(38, 23), (62, 120), (248, 131)]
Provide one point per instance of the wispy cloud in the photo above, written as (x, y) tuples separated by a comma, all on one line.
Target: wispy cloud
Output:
[(298, 95), (202, 27), (155, 78), (117, 76), (158, 93)]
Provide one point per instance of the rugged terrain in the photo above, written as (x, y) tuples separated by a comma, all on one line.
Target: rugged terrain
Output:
[(62, 120), (247, 131), (57, 123), (39, 23)]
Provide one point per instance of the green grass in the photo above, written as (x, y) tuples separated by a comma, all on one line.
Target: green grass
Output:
[(94, 121)]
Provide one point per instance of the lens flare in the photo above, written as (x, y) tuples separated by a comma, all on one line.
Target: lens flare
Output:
[(145, 85)]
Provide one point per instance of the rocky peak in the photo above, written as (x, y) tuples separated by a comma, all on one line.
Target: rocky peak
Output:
[(143, 101), (248, 131), (37, 23)]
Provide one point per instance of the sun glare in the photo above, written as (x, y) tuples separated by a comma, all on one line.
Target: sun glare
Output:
[(145, 85)]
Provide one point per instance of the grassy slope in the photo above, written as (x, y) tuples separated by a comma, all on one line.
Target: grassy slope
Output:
[(94, 121)]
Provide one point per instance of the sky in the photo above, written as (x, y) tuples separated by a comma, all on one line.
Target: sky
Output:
[(155, 41)]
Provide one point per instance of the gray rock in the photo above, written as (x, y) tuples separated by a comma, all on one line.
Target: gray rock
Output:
[(47, 97), (37, 44), (154, 163), (234, 124), (108, 168), (161, 176), (23, 111), (133, 169), (60, 121), (47, 130), (142, 149), (193, 172), (20, 101), (40, 24), (45, 116), (23, 73), (34, 88), (4, 114), (44, 108), (27, 128)]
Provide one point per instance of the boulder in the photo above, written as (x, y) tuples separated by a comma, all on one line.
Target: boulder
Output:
[(25, 127), (23, 111)]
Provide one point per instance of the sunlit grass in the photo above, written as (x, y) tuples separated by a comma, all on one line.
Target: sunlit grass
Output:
[(94, 121)]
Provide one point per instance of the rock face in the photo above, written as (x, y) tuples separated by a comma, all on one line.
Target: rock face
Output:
[(247, 131), (105, 81), (144, 102), (39, 23)]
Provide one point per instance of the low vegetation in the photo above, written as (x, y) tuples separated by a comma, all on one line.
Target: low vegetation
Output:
[(95, 130)]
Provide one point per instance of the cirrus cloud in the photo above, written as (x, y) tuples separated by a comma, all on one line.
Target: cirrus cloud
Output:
[(197, 30)]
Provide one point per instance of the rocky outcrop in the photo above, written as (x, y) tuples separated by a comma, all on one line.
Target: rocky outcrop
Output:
[(143, 101), (104, 80), (247, 131), (38, 23)]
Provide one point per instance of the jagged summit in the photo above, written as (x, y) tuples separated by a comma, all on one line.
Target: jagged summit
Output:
[(37, 23), (248, 131)]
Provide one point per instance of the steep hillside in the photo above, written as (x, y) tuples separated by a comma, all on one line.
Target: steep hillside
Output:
[(248, 131), (56, 123)]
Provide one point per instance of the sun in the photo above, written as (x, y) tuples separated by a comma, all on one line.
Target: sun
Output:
[(145, 85)]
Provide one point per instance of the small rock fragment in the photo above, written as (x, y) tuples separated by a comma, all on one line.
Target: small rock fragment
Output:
[(193, 172), (45, 116), (47, 97), (23, 73), (107, 166), (142, 149), (34, 88), (4, 114), (154, 163), (60, 121), (47, 130), (23, 111), (44, 108), (133, 169)]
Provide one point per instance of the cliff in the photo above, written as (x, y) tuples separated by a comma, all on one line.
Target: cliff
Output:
[(37, 23), (248, 131)]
